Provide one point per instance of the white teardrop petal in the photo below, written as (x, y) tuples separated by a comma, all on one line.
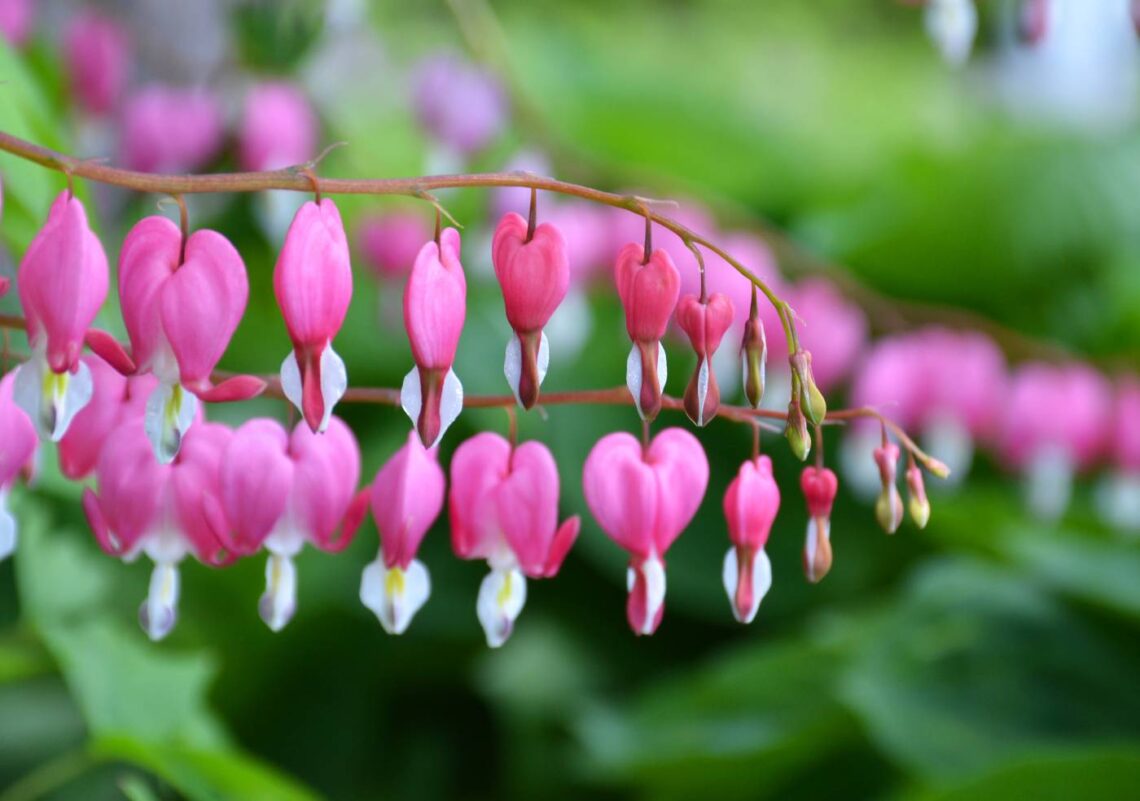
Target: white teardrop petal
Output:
[(450, 403), (394, 595), (279, 601), (291, 380), (8, 529), (334, 382), (170, 412), (501, 598), (653, 571), (702, 391), (159, 612)]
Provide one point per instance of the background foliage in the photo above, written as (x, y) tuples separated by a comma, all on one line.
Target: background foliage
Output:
[(986, 657)]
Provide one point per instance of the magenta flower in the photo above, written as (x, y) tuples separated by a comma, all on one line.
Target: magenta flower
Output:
[(62, 282), (390, 243), (705, 323), (435, 307), (1054, 427), (98, 56), (281, 491), (163, 510), (17, 455), (648, 288), (819, 486), (278, 127), (181, 305), (114, 400), (504, 509), (16, 18), (407, 496), (750, 507), (313, 283), (461, 105), (643, 498), (534, 273), (170, 129)]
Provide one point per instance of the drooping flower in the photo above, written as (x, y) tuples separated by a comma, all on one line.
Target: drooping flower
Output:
[(62, 282), (278, 127), (435, 308), (281, 491), (643, 498), (1053, 428), (407, 496), (313, 284), (889, 506), (163, 510), (534, 273), (390, 243), (503, 508), (182, 302), (114, 400), (819, 486), (648, 288), (750, 507), (98, 57), (170, 129), (17, 452), (705, 322)]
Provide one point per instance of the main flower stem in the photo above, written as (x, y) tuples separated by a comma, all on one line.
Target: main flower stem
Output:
[(301, 179)]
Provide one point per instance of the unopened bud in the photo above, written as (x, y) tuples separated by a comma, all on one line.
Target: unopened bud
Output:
[(888, 507), (917, 503), (938, 468), (797, 431), (754, 357), (811, 399)]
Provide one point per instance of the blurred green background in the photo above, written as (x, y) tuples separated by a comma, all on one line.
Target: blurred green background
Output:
[(987, 657)]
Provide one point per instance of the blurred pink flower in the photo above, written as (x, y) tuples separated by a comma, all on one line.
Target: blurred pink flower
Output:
[(390, 242), (279, 127), (98, 56), (832, 328), (171, 129), (461, 105), (16, 17)]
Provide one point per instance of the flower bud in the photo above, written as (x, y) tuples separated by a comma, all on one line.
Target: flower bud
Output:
[(917, 504), (888, 507), (819, 486), (812, 402), (754, 356), (705, 322), (796, 431), (648, 288)]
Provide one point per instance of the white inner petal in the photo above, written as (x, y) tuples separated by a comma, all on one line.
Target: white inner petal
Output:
[(394, 595), (1049, 483), (159, 612), (1117, 500), (653, 571), (702, 391), (633, 373), (8, 528), (451, 404), (512, 363), (279, 601), (952, 25), (761, 582), (51, 399), (501, 598), (810, 543), (334, 382), (291, 380), (170, 412)]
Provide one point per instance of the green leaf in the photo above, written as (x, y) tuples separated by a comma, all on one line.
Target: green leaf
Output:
[(975, 666), (204, 775)]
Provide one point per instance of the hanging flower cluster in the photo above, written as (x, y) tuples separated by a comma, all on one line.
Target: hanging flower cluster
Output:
[(169, 483)]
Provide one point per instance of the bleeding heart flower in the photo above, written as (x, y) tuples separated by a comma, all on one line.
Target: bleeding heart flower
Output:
[(435, 307), (389, 243), (648, 288), (819, 486), (278, 127), (534, 272), (114, 400), (17, 454), (280, 492), (705, 322), (162, 510), (62, 282), (643, 498), (181, 304), (407, 497), (313, 283), (504, 509), (170, 129), (750, 507), (98, 54)]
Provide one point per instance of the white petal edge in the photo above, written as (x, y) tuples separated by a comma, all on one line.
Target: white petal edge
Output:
[(394, 595), (702, 390), (51, 414), (168, 418), (450, 403), (633, 374), (809, 542), (334, 382), (512, 363), (761, 582), (501, 598), (279, 601), (159, 612), (653, 572), (8, 529)]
